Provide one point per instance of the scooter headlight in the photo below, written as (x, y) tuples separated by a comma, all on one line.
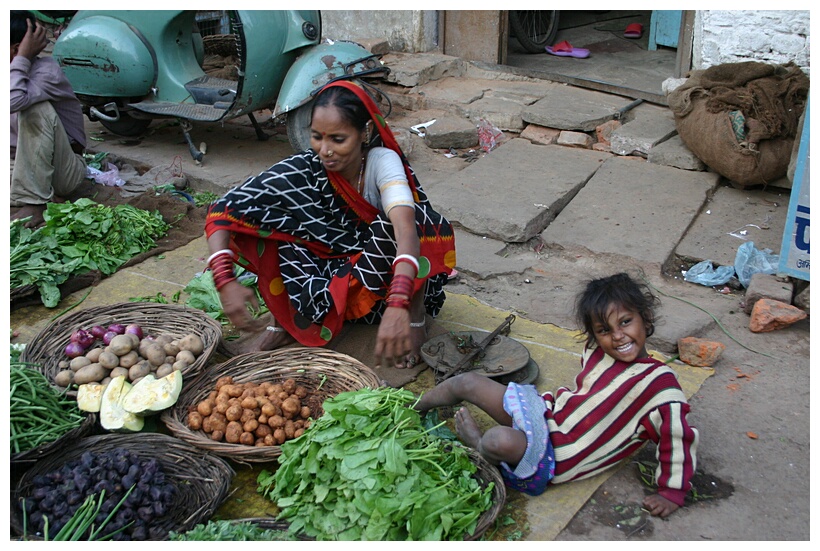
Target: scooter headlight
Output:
[(310, 30)]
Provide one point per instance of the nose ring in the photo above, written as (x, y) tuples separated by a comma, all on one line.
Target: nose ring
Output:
[(330, 154)]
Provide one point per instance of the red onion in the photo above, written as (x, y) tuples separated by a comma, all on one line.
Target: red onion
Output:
[(134, 329), (108, 336), (83, 338), (98, 331), (117, 328), (74, 349)]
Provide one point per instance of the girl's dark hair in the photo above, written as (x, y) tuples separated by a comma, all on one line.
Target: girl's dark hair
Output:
[(348, 104), (592, 304), (19, 26)]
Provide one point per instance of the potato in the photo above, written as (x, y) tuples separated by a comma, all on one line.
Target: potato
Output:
[(251, 425), (194, 421), (94, 354), (120, 345), (64, 378), (247, 439), (279, 435), (217, 435), (109, 360), (192, 343), (155, 354), (62, 364), (164, 369), (223, 381), (130, 359), (92, 373), (180, 365), (204, 408), (185, 356), (232, 432), (78, 362), (233, 413), (138, 371), (135, 340), (171, 349), (118, 372)]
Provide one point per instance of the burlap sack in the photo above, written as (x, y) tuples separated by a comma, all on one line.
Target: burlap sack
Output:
[(772, 98)]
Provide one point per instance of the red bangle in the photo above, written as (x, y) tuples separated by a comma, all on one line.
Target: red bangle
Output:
[(401, 285), (394, 302), (408, 260)]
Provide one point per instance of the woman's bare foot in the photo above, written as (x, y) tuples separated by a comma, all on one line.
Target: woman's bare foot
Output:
[(467, 428), (33, 211)]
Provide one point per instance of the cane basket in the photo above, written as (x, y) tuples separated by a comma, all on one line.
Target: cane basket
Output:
[(486, 474), (46, 350), (324, 373), (202, 480)]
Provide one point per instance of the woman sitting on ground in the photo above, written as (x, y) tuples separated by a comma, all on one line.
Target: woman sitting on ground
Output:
[(340, 232)]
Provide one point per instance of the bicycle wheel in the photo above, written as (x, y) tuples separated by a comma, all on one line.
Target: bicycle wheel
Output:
[(534, 29)]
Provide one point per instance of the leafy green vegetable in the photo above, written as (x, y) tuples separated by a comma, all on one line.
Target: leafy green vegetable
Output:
[(77, 238), (225, 530), (204, 296), (368, 470)]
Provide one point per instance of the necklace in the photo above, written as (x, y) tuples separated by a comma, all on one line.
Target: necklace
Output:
[(360, 183)]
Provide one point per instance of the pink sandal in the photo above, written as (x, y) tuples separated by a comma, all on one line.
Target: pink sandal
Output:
[(565, 49)]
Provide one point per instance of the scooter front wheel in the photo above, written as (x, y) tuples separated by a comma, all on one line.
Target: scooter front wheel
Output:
[(126, 126), (298, 127)]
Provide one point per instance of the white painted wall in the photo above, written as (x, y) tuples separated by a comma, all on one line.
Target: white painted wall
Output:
[(409, 31), (769, 36)]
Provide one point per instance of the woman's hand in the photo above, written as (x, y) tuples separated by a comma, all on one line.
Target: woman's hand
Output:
[(235, 299), (393, 339), (659, 506)]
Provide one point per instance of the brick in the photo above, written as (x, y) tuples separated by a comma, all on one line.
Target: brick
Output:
[(699, 352), (604, 131), (540, 135), (769, 315), (767, 286), (575, 139)]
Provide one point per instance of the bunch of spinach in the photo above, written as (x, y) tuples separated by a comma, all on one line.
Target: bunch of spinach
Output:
[(77, 238), (204, 296), (368, 470)]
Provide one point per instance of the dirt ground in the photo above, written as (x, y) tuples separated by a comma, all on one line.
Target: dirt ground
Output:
[(753, 414)]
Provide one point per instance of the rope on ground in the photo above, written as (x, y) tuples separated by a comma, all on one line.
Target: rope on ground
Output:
[(711, 316)]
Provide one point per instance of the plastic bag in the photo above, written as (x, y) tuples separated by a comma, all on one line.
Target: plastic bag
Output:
[(111, 176), (705, 274), (750, 261), (488, 135)]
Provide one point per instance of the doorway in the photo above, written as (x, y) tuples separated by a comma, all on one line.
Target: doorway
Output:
[(634, 67)]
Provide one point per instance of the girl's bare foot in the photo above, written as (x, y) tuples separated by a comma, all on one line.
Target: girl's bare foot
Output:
[(33, 211), (467, 428), (259, 341)]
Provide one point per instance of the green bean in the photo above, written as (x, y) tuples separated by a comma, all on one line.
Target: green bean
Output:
[(39, 413)]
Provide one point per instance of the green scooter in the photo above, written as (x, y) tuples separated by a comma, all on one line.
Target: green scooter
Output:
[(131, 67)]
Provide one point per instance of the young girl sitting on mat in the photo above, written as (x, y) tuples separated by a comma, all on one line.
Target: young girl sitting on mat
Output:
[(622, 398)]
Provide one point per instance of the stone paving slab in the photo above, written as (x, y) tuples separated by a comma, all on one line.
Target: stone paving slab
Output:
[(647, 126), (632, 208), (516, 190), (415, 70), (729, 219), (484, 257), (569, 108)]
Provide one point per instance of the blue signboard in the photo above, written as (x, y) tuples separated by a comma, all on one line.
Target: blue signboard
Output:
[(794, 251)]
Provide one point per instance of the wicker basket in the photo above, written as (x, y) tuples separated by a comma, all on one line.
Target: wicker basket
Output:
[(322, 372), (486, 473), (201, 479), (46, 349), (86, 428)]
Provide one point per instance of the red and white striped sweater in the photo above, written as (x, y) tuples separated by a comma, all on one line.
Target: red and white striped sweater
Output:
[(614, 409)]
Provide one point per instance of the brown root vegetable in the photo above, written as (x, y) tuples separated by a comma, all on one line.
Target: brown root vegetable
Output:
[(305, 412), (250, 425), (138, 371), (291, 406), (269, 410), (289, 386), (92, 373), (171, 349), (193, 343), (194, 421), (262, 431), (120, 345), (109, 360), (222, 381), (279, 435), (232, 413), (204, 408), (94, 354), (118, 372), (234, 391), (247, 439), (289, 429), (217, 435), (155, 354), (298, 432), (300, 392), (232, 432), (276, 422), (164, 370), (249, 403), (269, 440), (64, 378), (76, 363), (130, 359), (207, 424)]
